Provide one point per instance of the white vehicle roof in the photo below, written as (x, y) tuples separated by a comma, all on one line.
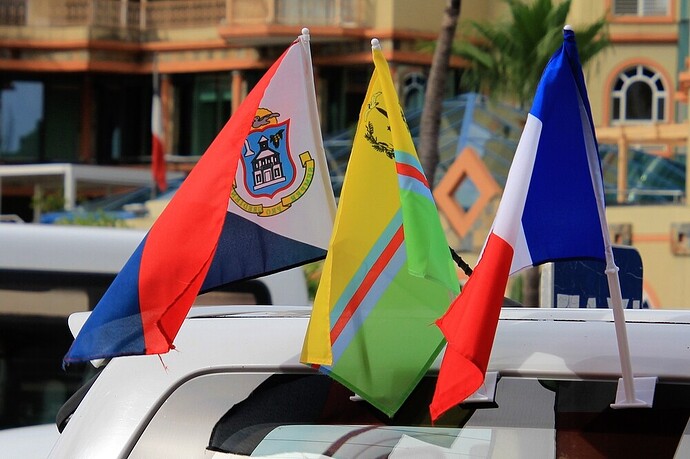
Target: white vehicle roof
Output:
[(102, 250), (83, 249), (28, 442), (252, 343)]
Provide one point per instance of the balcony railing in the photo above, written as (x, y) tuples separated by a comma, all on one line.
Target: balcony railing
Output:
[(176, 14)]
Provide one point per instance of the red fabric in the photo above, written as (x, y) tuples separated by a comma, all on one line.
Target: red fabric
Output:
[(411, 171), (185, 236), (158, 161), (469, 327)]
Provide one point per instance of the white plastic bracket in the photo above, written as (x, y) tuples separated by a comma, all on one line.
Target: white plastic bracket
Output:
[(644, 393), (487, 392)]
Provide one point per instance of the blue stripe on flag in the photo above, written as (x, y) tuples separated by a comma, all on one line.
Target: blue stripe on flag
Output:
[(406, 182), (366, 264), (561, 181), (369, 302), (120, 317), (261, 251)]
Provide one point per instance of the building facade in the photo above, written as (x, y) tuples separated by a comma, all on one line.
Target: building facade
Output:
[(77, 76), (76, 82), (639, 94)]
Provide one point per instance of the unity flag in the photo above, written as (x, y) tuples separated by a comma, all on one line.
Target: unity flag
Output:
[(258, 201), (552, 209), (157, 149), (388, 274)]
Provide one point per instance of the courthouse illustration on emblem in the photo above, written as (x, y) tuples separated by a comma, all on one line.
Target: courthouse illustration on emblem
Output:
[(269, 170)]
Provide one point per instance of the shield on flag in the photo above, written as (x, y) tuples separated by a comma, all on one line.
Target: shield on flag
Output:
[(268, 166)]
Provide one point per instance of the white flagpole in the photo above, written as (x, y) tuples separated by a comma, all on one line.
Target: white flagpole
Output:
[(627, 397), (632, 392), (305, 39)]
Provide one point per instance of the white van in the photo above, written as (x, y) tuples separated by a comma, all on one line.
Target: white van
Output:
[(48, 272), (80, 262)]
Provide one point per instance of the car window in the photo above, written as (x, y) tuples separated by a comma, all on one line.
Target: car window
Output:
[(588, 426), (312, 414), (316, 415), (33, 384)]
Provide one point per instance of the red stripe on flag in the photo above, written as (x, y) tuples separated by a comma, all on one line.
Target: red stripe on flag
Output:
[(413, 172), (469, 327), (368, 281)]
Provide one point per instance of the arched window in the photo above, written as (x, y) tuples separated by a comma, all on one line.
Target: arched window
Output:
[(413, 91), (638, 95)]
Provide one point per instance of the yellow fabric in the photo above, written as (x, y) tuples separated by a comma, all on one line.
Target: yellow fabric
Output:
[(368, 201)]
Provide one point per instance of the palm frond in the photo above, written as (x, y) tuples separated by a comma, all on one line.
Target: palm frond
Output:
[(506, 59)]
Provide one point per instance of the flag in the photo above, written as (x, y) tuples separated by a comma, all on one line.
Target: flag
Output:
[(388, 274), (258, 201), (157, 145), (552, 209)]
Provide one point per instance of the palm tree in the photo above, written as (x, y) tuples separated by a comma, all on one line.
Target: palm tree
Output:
[(506, 58), (433, 99)]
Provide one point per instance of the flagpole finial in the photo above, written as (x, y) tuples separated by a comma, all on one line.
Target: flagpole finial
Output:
[(375, 44), (568, 33), (305, 37)]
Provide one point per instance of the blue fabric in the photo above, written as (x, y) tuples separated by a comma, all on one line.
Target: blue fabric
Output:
[(561, 180), (115, 328), (261, 252)]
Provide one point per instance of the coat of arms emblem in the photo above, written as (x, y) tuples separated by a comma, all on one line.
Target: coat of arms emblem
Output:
[(269, 170)]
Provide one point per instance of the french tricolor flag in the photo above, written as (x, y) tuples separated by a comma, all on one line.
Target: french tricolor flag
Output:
[(552, 209), (258, 201)]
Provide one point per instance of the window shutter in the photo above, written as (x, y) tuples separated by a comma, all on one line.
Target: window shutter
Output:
[(640, 7), (654, 7), (625, 7)]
